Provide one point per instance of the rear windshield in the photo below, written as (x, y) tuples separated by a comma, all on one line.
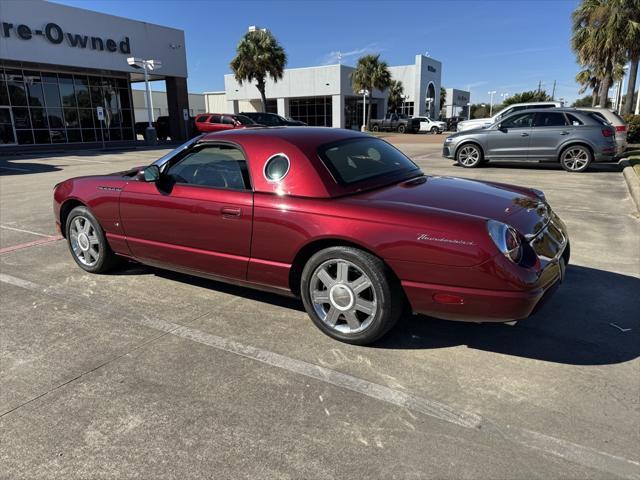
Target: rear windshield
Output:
[(352, 161)]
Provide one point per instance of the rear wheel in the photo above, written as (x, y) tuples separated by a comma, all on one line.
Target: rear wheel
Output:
[(375, 128), (576, 158), (469, 156), (350, 295), (87, 242), (401, 128)]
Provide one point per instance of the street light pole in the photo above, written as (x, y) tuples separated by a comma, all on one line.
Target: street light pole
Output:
[(149, 99), (151, 135), (364, 93), (492, 93)]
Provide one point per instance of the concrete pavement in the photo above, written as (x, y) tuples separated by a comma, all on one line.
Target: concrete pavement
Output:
[(151, 374)]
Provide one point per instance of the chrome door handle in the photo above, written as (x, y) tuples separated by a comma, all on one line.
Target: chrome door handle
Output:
[(565, 132), (230, 212), (523, 134)]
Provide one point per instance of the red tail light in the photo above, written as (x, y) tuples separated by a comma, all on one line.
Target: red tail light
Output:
[(606, 132), (621, 128)]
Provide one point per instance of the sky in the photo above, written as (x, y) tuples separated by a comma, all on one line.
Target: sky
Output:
[(507, 46)]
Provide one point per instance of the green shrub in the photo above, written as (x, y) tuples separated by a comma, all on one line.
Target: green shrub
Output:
[(633, 128)]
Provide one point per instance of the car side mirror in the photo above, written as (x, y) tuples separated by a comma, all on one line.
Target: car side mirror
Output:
[(151, 173), (501, 128)]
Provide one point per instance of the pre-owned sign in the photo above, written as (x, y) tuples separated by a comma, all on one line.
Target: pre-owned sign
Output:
[(53, 33)]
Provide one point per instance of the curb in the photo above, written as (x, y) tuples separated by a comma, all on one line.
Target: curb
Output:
[(633, 181)]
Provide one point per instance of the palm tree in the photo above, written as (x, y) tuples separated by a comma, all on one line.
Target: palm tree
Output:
[(589, 80), (597, 29), (396, 93), (370, 73), (258, 56), (631, 40)]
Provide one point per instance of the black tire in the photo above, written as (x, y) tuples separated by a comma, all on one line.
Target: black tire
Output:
[(402, 128), (576, 158), (106, 260), (375, 128), (384, 291), (469, 155), (434, 130)]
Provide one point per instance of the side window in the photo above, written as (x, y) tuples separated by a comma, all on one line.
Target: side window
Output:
[(523, 120), (202, 118), (598, 118), (216, 166), (550, 119), (269, 120), (215, 119), (228, 120), (573, 120)]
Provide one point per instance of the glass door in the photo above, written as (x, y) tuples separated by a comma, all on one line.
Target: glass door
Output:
[(7, 131)]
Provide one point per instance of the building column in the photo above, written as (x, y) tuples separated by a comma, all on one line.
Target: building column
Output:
[(283, 107), (232, 107), (337, 111), (177, 102)]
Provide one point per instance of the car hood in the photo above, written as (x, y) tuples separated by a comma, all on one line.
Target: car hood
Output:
[(475, 123), (488, 200)]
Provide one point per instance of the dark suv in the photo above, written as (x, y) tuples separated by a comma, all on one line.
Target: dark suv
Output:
[(272, 119)]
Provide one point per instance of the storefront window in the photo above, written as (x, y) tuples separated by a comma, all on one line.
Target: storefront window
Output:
[(314, 111), (47, 107)]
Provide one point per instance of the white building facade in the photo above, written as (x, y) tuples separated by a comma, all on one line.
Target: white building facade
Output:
[(61, 65), (457, 102), (324, 95)]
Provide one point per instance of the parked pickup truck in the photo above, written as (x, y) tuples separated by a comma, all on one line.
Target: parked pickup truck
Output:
[(393, 121), (425, 124)]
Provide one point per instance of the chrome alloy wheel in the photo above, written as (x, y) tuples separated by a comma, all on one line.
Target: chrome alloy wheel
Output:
[(84, 241), (575, 158), (469, 156), (343, 296)]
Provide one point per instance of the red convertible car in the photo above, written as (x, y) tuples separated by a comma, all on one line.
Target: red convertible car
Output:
[(341, 219)]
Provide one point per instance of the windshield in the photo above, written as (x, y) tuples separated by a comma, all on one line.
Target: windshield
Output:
[(356, 160), (165, 158)]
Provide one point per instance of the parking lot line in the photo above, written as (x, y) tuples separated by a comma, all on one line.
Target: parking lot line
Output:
[(20, 246), (7, 227), (569, 451)]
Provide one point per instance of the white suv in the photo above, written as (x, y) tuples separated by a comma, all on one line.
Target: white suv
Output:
[(485, 122)]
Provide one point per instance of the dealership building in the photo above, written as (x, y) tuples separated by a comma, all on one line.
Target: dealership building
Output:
[(64, 76), (324, 95)]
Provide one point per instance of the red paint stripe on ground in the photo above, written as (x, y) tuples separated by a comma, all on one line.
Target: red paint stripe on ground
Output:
[(20, 246)]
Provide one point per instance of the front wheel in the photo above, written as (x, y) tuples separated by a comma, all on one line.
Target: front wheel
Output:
[(576, 158), (87, 242), (401, 128), (434, 130), (350, 295), (469, 156)]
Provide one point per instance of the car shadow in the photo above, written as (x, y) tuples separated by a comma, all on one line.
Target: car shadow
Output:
[(592, 319), (532, 164), (8, 168)]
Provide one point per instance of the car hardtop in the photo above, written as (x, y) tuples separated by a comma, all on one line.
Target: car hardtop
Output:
[(309, 176)]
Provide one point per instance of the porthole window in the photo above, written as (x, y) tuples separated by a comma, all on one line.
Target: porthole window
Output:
[(277, 167)]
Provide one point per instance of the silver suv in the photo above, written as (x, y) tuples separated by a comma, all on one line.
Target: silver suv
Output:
[(572, 137)]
